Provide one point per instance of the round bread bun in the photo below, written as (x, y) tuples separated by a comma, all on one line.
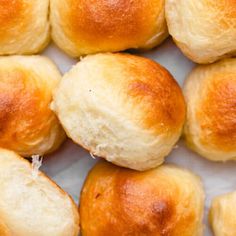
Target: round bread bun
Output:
[(126, 109), (222, 215), (27, 124), (24, 26), (32, 204), (204, 30), (210, 93), (81, 27), (164, 201)]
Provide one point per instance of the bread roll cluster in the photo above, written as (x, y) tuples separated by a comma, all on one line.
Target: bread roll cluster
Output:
[(126, 109), (204, 30)]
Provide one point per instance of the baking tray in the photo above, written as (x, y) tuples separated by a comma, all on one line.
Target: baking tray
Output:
[(70, 164)]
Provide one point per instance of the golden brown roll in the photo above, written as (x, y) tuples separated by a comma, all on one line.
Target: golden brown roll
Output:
[(33, 204), (205, 30), (27, 124), (24, 26), (164, 201), (210, 93), (126, 109), (82, 27), (222, 215)]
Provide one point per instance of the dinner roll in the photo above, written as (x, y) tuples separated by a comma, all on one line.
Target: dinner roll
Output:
[(33, 205), (164, 201), (204, 30), (223, 215), (24, 26), (27, 124), (82, 27), (210, 93), (126, 109)]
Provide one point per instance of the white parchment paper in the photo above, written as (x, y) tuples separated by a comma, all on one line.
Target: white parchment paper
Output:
[(70, 164)]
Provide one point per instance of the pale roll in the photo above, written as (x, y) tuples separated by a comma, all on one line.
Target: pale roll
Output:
[(32, 204), (126, 109), (205, 30)]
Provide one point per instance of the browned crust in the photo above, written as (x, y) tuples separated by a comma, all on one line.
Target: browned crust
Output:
[(12, 13), (112, 24), (118, 201), (217, 112)]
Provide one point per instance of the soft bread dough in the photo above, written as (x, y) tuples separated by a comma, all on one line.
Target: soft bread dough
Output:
[(164, 201), (124, 108), (27, 124), (210, 93), (33, 205), (82, 27), (205, 30), (24, 26), (222, 215)]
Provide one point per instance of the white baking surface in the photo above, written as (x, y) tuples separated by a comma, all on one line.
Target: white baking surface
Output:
[(70, 164)]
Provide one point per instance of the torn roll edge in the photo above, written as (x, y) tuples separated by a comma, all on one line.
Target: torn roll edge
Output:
[(37, 161)]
